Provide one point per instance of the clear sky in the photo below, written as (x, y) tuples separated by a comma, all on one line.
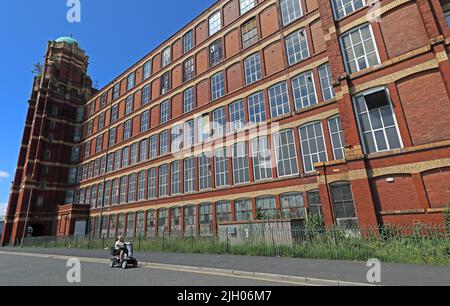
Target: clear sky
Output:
[(114, 33)]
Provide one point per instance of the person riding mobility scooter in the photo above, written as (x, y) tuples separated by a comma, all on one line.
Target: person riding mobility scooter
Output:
[(122, 255)]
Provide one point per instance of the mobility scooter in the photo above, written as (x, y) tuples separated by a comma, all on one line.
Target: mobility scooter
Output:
[(128, 257)]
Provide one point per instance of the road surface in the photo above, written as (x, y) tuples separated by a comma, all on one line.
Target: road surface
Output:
[(48, 267)]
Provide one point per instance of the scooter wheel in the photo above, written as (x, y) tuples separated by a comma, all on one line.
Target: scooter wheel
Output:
[(111, 264), (124, 265)]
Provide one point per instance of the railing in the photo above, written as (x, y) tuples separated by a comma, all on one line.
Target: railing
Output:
[(401, 244)]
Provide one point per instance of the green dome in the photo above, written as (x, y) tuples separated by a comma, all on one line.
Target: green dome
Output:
[(68, 40)]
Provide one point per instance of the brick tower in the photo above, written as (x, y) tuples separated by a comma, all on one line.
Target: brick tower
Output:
[(49, 148)]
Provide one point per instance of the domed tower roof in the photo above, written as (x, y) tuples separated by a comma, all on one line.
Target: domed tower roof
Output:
[(67, 40)]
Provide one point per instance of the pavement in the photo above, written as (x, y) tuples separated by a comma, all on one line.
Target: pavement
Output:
[(174, 269)]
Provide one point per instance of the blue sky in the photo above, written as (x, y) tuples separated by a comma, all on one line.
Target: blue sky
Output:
[(114, 33)]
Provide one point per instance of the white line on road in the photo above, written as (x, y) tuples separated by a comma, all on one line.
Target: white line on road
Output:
[(284, 279)]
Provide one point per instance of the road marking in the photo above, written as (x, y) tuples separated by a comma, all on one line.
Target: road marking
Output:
[(267, 277)]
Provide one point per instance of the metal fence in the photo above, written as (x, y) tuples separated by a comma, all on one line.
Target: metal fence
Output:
[(402, 244)]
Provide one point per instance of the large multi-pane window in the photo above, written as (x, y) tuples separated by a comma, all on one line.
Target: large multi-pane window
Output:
[(243, 210), (326, 82), (127, 129), (337, 137), (114, 113), (359, 48), (344, 207), (140, 223), (115, 192), (146, 94), (90, 127), (217, 86), (112, 136), (345, 7), (175, 178), (189, 133), (94, 196), (103, 165), (125, 157), (252, 66), (188, 69), (304, 90), (166, 57), (164, 142), (117, 160), (188, 100), (165, 82), (96, 167), (153, 147), (377, 122), (107, 198), (190, 220), (142, 184), (221, 167), (188, 41), (262, 164), (129, 105), (285, 153), (246, 5), (249, 33), (257, 108), (240, 163), (163, 221), (215, 52), (279, 100), (130, 80), (134, 154), (237, 115), (165, 112), (143, 150), (204, 172), (292, 206), (101, 121), (150, 226), (206, 216), (313, 145), (223, 212), (151, 186), (297, 47), (109, 165), (132, 188), (145, 121), (314, 204), (129, 232), (266, 207), (215, 23), (175, 221), (164, 180), (177, 138), (123, 189), (189, 175), (290, 10), (147, 69), (87, 148), (116, 91), (204, 128), (219, 122)]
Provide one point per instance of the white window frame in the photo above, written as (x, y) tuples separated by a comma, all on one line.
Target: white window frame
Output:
[(307, 142), (279, 100), (221, 160), (204, 172), (339, 134), (277, 145), (294, 41), (175, 178), (262, 163), (189, 175), (217, 86), (346, 61), (257, 101), (252, 68), (246, 5), (241, 164), (215, 23), (166, 57), (163, 181), (300, 101), (289, 18), (368, 92)]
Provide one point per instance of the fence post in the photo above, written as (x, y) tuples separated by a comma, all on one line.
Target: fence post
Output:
[(89, 242), (164, 242), (139, 242), (103, 242), (228, 245)]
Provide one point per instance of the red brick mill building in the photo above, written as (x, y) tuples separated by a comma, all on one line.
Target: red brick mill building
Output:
[(340, 108)]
